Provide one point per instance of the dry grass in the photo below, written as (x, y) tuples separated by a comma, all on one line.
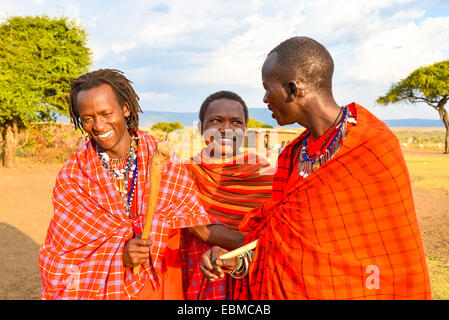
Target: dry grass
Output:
[(439, 277), (429, 170)]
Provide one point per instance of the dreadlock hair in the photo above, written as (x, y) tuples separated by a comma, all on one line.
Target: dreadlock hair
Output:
[(121, 86), (305, 59), (222, 95)]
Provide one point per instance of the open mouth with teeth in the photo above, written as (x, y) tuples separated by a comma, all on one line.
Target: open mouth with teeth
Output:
[(105, 135), (226, 140)]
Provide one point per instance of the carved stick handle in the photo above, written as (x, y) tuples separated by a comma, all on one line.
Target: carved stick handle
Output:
[(234, 253), (160, 156)]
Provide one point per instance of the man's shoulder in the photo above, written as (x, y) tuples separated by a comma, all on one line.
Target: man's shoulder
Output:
[(73, 165), (148, 137), (371, 124), (370, 131)]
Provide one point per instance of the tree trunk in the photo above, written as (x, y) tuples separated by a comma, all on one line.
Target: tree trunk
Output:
[(444, 117), (446, 142), (11, 139)]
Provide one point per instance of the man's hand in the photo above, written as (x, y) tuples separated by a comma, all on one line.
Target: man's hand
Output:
[(136, 252), (214, 268)]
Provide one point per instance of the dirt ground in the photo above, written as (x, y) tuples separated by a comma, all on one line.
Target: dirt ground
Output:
[(26, 210)]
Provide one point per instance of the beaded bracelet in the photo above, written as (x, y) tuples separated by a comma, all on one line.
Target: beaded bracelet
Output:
[(240, 273), (243, 265)]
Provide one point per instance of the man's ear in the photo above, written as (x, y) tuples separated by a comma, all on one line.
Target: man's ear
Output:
[(292, 90), (126, 110), (200, 127), (298, 88)]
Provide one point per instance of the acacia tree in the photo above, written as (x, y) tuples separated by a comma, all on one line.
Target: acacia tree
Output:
[(167, 127), (429, 84), (38, 58)]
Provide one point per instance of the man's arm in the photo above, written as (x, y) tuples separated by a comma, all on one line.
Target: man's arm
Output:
[(218, 235)]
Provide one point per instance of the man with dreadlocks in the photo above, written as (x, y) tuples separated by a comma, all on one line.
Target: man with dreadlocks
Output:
[(100, 197), (342, 222)]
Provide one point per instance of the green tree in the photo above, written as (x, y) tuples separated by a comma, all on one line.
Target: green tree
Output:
[(429, 84), (167, 127), (253, 123), (38, 58)]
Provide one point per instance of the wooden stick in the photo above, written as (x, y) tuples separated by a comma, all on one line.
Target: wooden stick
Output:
[(160, 156), (234, 253)]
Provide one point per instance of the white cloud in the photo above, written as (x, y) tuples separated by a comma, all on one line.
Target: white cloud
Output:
[(238, 59), (118, 47), (393, 52), (152, 96), (169, 45), (409, 14)]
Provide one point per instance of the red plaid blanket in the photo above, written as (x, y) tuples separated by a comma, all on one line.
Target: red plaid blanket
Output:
[(82, 256), (346, 231)]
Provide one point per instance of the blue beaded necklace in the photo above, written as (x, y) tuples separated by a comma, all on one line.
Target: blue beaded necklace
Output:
[(122, 177), (308, 164)]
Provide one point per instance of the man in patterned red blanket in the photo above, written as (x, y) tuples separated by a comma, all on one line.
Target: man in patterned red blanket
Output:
[(100, 199), (342, 222)]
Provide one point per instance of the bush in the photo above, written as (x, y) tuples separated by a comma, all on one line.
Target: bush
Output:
[(48, 142), (253, 123)]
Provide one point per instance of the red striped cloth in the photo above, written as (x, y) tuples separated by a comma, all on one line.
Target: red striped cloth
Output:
[(346, 231), (82, 256), (228, 190)]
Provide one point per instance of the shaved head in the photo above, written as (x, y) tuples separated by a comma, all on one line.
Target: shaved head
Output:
[(302, 58)]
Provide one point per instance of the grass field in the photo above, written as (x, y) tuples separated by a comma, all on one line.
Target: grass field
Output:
[(428, 170), (439, 277)]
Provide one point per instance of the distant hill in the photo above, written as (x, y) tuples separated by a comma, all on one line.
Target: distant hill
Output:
[(191, 118), (149, 118), (414, 123)]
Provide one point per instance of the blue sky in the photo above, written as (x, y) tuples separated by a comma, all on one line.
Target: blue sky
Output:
[(178, 52)]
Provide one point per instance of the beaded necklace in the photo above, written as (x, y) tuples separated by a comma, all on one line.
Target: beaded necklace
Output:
[(307, 164), (122, 176)]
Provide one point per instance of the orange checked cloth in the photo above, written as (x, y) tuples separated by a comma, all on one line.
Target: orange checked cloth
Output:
[(228, 189), (346, 231), (82, 256)]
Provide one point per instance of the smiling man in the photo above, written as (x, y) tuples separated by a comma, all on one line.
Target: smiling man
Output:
[(100, 200), (230, 182), (342, 222)]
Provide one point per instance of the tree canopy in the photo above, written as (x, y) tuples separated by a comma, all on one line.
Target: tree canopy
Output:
[(38, 58), (428, 84), (167, 127)]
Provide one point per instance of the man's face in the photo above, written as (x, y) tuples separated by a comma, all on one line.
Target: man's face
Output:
[(276, 95), (224, 127), (104, 119)]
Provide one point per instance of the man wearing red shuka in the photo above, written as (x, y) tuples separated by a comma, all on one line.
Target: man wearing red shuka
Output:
[(342, 222), (100, 200)]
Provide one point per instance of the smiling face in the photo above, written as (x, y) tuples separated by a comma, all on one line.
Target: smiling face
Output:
[(104, 119), (224, 127), (276, 94)]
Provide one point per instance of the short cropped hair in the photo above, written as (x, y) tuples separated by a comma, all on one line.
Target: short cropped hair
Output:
[(222, 95), (306, 59), (121, 86)]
